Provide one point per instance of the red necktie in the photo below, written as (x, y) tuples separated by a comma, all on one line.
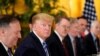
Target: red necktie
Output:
[(65, 49)]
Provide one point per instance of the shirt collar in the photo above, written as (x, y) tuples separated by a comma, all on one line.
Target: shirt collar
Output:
[(94, 37), (72, 38), (58, 35), (41, 40), (79, 36)]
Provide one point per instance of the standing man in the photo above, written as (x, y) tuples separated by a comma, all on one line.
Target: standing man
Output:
[(9, 34), (55, 42), (34, 44)]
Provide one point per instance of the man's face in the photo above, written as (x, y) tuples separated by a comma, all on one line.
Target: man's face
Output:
[(42, 28), (62, 27), (82, 25), (12, 34), (74, 29), (96, 29)]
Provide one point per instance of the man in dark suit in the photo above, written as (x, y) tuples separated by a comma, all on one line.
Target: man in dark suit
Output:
[(9, 34), (80, 46), (80, 38), (91, 40), (55, 43), (82, 26), (69, 40), (34, 44), (3, 52)]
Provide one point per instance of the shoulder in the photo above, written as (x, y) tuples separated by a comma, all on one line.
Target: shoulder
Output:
[(26, 45)]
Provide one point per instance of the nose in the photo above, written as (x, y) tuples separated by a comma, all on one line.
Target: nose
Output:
[(48, 27)]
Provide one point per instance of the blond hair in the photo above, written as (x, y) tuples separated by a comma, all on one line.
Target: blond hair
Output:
[(42, 16)]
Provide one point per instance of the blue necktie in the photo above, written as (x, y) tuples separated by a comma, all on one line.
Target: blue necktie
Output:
[(45, 48), (9, 52)]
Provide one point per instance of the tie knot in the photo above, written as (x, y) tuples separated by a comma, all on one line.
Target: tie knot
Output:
[(44, 44), (45, 48), (9, 52)]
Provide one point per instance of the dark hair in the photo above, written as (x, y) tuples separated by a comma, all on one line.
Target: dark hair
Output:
[(81, 17), (5, 20), (59, 18)]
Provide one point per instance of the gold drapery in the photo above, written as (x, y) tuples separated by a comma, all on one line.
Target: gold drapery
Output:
[(77, 7)]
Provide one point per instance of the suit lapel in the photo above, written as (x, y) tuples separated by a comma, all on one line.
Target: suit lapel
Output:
[(57, 39), (2, 51), (59, 43), (92, 41), (67, 40), (38, 44)]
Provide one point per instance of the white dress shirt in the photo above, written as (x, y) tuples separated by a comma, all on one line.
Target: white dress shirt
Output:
[(42, 42), (6, 48), (73, 44)]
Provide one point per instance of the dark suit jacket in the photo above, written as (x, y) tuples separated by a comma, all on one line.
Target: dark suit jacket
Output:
[(68, 45), (90, 45), (80, 46), (55, 45), (3, 52), (30, 46)]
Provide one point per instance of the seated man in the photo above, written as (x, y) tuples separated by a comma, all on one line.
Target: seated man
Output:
[(34, 44), (91, 40), (9, 34), (55, 42)]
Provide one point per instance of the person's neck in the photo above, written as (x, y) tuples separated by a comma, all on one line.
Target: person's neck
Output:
[(71, 34)]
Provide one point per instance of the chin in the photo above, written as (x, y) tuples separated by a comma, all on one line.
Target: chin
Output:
[(46, 36)]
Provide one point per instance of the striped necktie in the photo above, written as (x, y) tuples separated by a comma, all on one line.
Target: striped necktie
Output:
[(9, 52), (45, 48)]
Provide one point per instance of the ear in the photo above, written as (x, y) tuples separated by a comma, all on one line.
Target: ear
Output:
[(56, 26), (30, 26), (1, 31)]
